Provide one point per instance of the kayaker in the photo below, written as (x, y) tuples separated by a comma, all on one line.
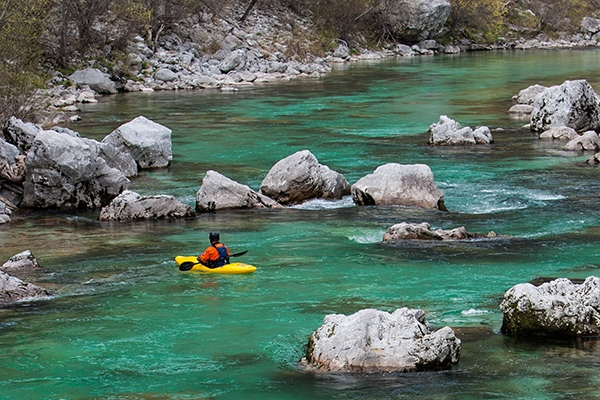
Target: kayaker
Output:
[(217, 254)]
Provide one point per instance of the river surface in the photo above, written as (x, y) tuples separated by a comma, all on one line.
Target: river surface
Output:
[(124, 323)]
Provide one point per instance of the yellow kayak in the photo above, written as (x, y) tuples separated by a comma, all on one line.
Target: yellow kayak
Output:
[(233, 268)]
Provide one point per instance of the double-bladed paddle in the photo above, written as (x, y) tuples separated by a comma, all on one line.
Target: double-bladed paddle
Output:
[(187, 265)]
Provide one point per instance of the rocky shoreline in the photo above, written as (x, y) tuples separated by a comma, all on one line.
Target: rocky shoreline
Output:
[(249, 55)]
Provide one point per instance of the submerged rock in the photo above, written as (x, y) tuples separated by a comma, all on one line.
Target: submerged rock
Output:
[(300, 177), (399, 184), (221, 193), (131, 206), (422, 231), (556, 309), (377, 341)]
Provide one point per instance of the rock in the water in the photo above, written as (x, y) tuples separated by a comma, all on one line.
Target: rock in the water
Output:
[(586, 142), (131, 206), (560, 133), (399, 184), (556, 309), (300, 177), (377, 341), (422, 231), (573, 104), (448, 132), (221, 193), (67, 172), (528, 95), (13, 289), (148, 142)]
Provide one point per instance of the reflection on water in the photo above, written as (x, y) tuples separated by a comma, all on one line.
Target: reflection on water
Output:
[(123, 322)]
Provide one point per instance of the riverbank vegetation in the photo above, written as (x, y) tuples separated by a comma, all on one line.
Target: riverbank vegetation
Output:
[(40, 36)]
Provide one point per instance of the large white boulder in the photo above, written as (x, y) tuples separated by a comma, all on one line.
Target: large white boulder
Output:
[(376, 341), (399, 184), (573, 104), (221, 193), (68, 172), (300, 177), (148, 142), (556, 309)]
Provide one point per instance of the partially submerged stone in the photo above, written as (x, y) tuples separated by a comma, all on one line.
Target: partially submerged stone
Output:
[(560, 133), (573, 104), (13, 289), (588, 141), (399, 184), (556, 309), (221, 193), (148, 142), (448, 132), (423, 231), (131, 206), (300, 177), (68, 172), (376, 341)]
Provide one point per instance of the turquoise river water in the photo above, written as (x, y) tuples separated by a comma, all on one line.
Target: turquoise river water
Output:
[(124, 323)]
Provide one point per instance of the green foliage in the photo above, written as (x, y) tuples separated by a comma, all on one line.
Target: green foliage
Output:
[(343, 19), (477, 18), (21, 24), (129, 18)]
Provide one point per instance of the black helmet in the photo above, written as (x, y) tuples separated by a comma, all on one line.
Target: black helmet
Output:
[(214, 237)]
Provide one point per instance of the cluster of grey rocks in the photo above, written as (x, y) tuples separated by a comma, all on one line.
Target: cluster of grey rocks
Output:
[(214, 53), (59, 169), (569, 112)]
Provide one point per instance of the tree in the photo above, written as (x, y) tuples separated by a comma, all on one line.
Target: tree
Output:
[(471, 17), (21, 26)]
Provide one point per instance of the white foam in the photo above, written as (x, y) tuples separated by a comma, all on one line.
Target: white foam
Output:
[(473, 311), (322, 204), (368, 237)]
